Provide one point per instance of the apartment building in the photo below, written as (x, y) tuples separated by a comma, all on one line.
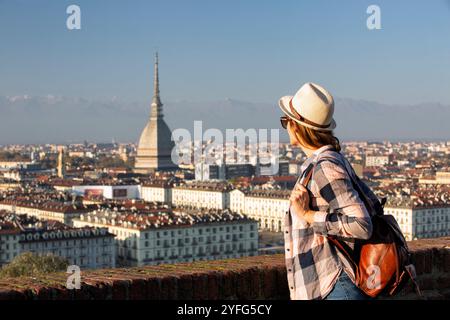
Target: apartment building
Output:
[(88, 248), (211, 195), (268, 207), (176, 236), (48, 210), (420, 219), (159, 191)]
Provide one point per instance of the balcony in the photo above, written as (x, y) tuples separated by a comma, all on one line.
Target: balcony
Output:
[(257, 277)]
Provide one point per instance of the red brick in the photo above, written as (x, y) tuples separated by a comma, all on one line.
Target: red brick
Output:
[(446, 259), (214, 280), (169, 288), (185, 289), (255, 282), (282, 285), (200, 286), (258, 277), (120, 289), (229, 284), (95, 290), (138, 289), (243, 283), (269, 282), (423, 261), (154, 288)]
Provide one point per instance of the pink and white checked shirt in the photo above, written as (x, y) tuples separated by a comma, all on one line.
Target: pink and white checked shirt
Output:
[(313, 263)]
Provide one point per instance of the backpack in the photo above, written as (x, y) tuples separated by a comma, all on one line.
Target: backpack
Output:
[(382, 263)]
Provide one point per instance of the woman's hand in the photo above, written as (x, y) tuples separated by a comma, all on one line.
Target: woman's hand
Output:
[(299, 200)]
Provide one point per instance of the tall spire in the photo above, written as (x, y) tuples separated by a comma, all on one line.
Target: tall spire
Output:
[(156, 78), (156, 107)]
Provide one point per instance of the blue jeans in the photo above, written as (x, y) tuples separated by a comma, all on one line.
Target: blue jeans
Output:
[(344, 289)]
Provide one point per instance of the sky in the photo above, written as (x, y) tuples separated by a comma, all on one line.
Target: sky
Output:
[(250, 50)]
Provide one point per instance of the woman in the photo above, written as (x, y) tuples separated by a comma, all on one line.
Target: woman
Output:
[(329, 207)]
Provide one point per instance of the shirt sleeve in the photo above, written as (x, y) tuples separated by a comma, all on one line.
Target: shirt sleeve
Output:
[(347, 215)]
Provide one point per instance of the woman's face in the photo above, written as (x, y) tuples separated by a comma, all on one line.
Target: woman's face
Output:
[(292, 138)]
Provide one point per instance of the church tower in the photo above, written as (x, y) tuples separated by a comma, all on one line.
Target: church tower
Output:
[(61, 168), (155, 144)]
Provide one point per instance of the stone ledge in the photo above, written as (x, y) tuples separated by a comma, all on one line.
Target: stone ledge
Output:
[(257, 277)]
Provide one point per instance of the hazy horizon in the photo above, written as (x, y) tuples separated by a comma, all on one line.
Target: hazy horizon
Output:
[(53, 119)]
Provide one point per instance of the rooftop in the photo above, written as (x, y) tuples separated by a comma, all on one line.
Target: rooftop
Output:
[(161, 218)]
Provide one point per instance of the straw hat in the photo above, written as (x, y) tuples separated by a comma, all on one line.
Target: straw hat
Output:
[(312, 106)]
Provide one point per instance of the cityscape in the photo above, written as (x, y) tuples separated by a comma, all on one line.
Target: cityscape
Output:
[(102, 205)]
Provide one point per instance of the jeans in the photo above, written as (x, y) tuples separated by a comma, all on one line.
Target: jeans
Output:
[(344, 289)]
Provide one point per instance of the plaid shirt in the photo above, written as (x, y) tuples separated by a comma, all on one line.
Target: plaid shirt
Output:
[(313, 264)]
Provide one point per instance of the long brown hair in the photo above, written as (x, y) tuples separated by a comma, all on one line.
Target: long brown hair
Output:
[(314, 139)]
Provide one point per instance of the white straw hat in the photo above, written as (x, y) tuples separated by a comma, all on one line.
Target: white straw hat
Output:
[(312, 106)]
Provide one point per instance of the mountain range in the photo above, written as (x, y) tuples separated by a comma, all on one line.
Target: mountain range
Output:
[(59, 119)]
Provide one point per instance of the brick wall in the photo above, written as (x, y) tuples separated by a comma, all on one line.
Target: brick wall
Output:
[(259, 277)]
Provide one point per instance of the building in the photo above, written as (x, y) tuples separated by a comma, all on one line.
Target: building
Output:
[(418, 218), (211, 195), (47, 210), (268, 207), (166, 236), (441, 177), (8, 184), (159, 191), (61, 165), (205, 172), (88, 248), (268, 169), (155, 143), (295, 168), (377, 161), (13, 164), (358, 168), (116, 191)]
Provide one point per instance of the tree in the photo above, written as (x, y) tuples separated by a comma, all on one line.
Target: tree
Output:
[(29, 264)]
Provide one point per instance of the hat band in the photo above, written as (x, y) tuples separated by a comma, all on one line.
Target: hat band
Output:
[(303, 119)]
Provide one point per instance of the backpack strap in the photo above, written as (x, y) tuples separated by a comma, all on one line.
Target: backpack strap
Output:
[(411, 270)]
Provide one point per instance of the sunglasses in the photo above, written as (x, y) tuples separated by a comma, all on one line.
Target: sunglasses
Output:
[(284, 121)]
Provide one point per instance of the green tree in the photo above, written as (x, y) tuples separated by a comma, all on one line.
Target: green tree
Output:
[(29, 264)]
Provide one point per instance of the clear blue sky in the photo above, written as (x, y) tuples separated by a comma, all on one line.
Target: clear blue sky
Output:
[(250, 50)]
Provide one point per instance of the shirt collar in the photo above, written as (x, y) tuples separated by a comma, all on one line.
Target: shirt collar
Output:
[(314, 155), (321, 149)]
